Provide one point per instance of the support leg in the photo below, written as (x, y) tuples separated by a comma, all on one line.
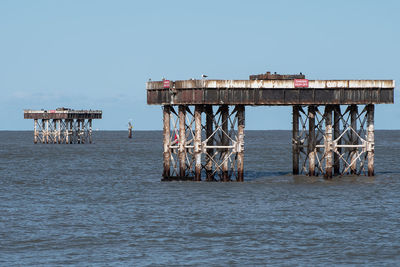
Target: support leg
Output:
[(311, 140), (209, 130), (182, 141), (370, 139), (90, 131), (47, 131), (225, 142), (240, 146), (35, 131), (167, 138), (353, 139), (336, 134), (328, 142), (295, 144), (197, 141)]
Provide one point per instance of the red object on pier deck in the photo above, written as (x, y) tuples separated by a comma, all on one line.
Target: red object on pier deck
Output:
[(300, 83)]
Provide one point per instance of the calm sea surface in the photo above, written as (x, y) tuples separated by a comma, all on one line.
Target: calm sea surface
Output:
[(103, 204)]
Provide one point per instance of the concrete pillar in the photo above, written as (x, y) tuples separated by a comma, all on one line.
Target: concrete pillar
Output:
[(336, 134), (240, 145), (197, 141), (311, 140), (182, 141), (328, 141), (167, 141), (370, 139), (295, 144), (353, 138), (210, 151), (225, 142)]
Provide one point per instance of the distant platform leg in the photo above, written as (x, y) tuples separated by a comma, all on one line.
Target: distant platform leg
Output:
[(35, 131)]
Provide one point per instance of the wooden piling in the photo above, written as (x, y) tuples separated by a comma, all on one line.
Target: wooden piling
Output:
[(225, 142), (210, 141), (370, 139), (182, 141), (295, 141), (240, 145), (311, 141), (353, 138), (328, 141), (197, 141), (336, 134), (167, 141)]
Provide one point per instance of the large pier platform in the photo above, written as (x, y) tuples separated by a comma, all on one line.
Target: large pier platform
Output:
[(204, 121)]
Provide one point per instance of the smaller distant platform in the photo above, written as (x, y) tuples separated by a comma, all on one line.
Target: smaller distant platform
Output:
[(62, 113)]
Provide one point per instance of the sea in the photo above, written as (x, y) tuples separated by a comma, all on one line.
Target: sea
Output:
[(104, 204)]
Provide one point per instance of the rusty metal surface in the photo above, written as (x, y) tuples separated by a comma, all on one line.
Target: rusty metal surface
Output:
[(275, 76), (271, 92), (62, 114)]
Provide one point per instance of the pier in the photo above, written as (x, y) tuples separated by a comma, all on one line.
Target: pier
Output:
[(62, 126), (204, 121)]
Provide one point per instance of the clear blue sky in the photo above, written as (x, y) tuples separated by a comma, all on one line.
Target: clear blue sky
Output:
[(99, 54)]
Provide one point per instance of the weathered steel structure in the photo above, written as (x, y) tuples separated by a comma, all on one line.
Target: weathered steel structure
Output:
[(204, 120), (62, 126)]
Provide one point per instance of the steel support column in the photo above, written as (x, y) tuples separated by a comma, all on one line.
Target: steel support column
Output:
[(197, 141), (328, 141), (370, 139), (210, 142), (182, 141), (311, 141), (295, 144), (353, 138), (167, 140), (336, 134), (35, 131), (240, 145), (225, 142)]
